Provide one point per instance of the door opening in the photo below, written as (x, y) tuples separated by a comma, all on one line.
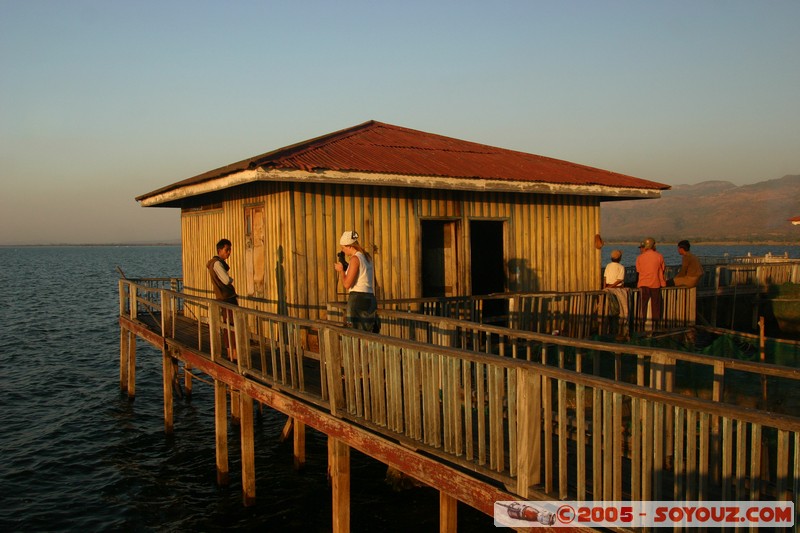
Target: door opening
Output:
[(487, 264), (439, 258)]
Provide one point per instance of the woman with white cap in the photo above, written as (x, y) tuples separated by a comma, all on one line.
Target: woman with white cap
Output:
[(359, 280)]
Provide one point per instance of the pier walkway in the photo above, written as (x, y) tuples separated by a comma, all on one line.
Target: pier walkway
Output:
[(481, 413)]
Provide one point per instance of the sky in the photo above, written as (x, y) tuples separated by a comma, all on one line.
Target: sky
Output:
[(105, 100)]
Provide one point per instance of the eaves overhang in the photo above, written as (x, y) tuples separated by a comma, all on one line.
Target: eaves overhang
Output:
[(172, 196)]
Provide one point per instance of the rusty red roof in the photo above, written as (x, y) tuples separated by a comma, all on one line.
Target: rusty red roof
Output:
[(795, 220), (375, 147)]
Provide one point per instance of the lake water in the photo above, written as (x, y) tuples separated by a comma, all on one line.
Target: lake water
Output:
[(78, 456), (673, 258)]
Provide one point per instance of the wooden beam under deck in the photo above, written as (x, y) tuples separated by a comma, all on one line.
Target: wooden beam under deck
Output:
[(355, 417), (453, 484), (457, 484)]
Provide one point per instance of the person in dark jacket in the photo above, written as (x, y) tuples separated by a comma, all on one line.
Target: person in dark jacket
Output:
[(224, 291)]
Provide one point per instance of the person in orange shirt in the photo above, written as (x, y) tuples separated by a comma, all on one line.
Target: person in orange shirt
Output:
[(650, 267)]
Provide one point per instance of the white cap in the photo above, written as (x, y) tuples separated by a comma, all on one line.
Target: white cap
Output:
[(348, 238)]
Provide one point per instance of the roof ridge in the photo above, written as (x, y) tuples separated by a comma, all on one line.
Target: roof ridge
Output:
[(311, 144), (480, 160)]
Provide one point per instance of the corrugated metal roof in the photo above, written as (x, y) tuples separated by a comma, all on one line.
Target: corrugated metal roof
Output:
[(375, 147)]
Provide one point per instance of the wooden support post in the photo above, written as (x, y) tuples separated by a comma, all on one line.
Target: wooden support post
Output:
[(166, 314), (287, 429), (526, 430), (332, 358), (762, 357), (132, 302), (448, 513), (339, 469), (241, 340), (167, 373), (123, 358), (248, 450), (187, 380), (236, 415), (131, 365), (215, 339), (221, 429), (299, 445)]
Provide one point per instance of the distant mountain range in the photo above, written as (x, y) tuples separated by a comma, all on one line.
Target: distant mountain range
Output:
[(711, 211)]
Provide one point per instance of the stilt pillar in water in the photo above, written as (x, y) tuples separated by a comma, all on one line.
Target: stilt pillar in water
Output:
[(339, 470), (299, 445), (187, 380), (248, 450), (235, 408), (131, 365), (448, 513), (123, 359), (298, 432), (168, 374), (221, 427)]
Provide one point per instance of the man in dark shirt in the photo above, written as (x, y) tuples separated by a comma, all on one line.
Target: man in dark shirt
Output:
[(224, 291), (691, 270)]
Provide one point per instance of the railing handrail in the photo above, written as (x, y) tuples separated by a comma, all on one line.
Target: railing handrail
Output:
[(375, 393), (768, 369), (759, 368)]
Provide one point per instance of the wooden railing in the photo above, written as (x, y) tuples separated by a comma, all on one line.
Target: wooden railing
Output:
[(720, 379), (755, 275), (532, 416), (573, 314)]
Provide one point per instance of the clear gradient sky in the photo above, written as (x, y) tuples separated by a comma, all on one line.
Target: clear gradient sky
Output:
[(104, 100)]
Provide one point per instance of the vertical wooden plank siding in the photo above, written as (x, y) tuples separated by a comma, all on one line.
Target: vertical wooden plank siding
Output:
[(525, 397), (618, 445), (580, 413), (782, 466), (703, 460), (200, 232), (636, 449), (597, 444), (563, 464), (303, 222), (727, 457)]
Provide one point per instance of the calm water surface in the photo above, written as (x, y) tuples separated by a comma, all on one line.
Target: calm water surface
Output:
[(672, 257), (78, 456)]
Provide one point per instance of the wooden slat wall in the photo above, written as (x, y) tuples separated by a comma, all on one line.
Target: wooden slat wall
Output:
[(200, 232), (551, 238)]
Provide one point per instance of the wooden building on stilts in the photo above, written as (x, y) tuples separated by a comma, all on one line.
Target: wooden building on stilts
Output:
[(440, 216)]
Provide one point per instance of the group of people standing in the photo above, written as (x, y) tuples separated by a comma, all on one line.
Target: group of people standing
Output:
[(356, 274), (650, 270)]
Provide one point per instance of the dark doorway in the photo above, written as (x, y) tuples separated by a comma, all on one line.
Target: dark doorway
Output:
[(487, 270), (439, 258)]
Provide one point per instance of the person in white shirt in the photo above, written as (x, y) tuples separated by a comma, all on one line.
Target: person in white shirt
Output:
[(614, 283), (359, 280)]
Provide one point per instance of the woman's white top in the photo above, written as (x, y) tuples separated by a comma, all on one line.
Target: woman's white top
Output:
[(364, 281)]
